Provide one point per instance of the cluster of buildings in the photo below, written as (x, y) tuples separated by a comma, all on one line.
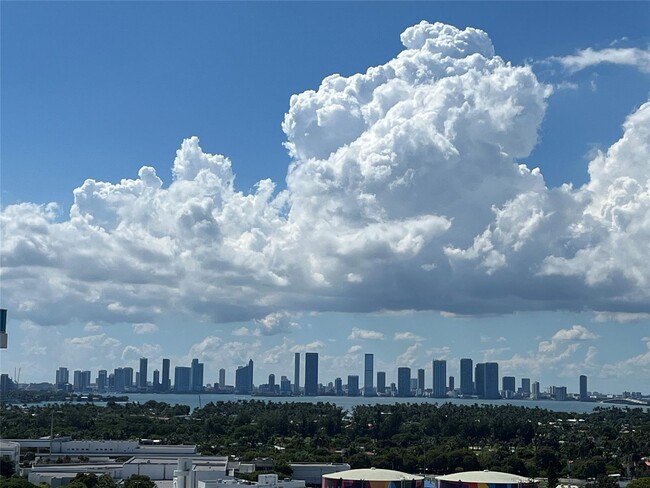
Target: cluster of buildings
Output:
[(180, 466), (187, 379), (480, 380)]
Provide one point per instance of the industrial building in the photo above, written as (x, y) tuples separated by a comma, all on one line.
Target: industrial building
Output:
[(312, 473), (484, 479), (65, 446), (184, 472), (372, 478)]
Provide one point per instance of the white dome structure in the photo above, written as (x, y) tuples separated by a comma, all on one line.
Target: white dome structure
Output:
[(484, 479), (372, 478)]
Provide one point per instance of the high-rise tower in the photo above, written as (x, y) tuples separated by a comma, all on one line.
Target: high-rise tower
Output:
[(404, 382), (492, 381), (143, 373), (466, 382), (311, 373), (196, 376), (296, 373), (166, 382), (368, 372), (439, 378)]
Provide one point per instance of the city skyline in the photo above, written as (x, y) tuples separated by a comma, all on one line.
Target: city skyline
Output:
[(483, 382), (414, 181)]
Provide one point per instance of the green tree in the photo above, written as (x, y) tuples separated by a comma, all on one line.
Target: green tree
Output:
[(139, 481), (552, 478), (606, 482), (106, 481), (16, 482), (639, 483), (88, 480)]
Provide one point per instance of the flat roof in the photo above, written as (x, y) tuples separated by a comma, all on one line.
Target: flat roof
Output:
[(372, 474), (485, 477)]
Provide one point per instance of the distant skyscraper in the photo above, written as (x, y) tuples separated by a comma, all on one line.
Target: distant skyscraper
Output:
[(525, 387), (182, 379), (81, 380), (143, 372), (166, 380), (296, 373), (368, 387), (338, 386), (119, 379), (492, 381), (250, 365), (128, 377), (3, 329), (196, 376), (102, 380), (6, 383), (156, 380), (421, 385), (244, 379), (466, 382), (222, 378), (404, 382), (272, 380), (285, 385), (583, 388), (353, 385), (62, 377), (560, 393), (439, 378), (479, 380), (381, 382), (451, 383), (508, 384), (311, 374), (535, 391)]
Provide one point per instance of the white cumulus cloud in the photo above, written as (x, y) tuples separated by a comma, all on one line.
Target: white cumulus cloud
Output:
[(405, 192)]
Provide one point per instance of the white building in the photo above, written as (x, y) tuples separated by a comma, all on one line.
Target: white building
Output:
[(65, 446)]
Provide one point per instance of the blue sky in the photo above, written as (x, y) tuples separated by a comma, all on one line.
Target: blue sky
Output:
[(97, 90)]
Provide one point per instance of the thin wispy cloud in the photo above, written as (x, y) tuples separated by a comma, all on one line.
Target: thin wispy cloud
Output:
[(145, 328), (586, 58), (365, 334), (407, 336)]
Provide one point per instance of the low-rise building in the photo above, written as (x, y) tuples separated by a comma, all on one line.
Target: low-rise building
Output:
[(312, 473)]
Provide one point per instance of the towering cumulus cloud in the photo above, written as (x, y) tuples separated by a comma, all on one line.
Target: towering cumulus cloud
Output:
[(404, 192)]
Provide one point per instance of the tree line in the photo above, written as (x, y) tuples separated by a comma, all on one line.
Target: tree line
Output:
[(416, 438)]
